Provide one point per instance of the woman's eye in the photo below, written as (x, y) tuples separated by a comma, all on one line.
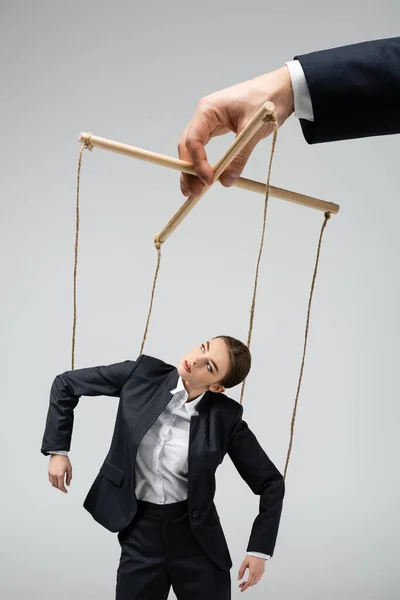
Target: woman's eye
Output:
[(209, 367), (202, 348)]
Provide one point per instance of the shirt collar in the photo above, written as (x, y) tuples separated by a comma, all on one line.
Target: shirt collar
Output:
[(190, 406)]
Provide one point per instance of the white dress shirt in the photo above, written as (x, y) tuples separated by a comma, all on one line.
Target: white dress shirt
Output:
[(302, 100), (161, 470)]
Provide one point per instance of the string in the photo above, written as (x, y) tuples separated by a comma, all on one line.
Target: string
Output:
[(326, 219), (86, 146), (272, 117), (157, 244)]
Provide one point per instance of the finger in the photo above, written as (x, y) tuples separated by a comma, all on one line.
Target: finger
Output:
[(243, 586), (241, 572), (198, 157), (201, 129), (69, 475), (246, 584), (190, 184), (61, 485)]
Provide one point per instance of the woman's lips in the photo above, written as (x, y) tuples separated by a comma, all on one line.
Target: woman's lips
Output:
[(187, 368)]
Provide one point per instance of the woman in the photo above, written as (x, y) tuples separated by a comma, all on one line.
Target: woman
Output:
[(156, 486)]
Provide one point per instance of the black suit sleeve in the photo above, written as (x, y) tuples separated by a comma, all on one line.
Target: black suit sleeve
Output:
[(355, 91), (65, 392), (264, 480)]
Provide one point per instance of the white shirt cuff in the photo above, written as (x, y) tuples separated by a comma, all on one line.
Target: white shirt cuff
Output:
[(259, 555), (62, 452), (302, 100)]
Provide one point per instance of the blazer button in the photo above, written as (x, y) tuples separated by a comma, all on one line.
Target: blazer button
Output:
[(195, 514)]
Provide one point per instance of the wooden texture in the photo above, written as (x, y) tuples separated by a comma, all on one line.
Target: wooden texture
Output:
[(187, 167)]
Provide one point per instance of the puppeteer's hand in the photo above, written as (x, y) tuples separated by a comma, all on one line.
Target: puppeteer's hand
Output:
[(60, 468), (230, 110), (256, 568)]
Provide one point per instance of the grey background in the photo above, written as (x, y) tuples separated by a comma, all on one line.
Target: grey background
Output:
[(135, 73)]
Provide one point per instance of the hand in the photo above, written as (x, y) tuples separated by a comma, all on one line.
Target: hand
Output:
[(59, 467), (230, 110), (256, 568)]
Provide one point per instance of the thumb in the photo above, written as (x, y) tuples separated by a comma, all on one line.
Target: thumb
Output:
[(69, 476), (236, 166), (241, 571)]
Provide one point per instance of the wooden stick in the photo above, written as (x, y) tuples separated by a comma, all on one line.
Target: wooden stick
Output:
[(282, 194), (239, 143), (186, 167)]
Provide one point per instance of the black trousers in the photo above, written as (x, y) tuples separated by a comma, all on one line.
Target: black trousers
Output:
[(158, 549)]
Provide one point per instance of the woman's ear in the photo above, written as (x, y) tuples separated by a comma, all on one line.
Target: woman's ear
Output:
[(217, 389)]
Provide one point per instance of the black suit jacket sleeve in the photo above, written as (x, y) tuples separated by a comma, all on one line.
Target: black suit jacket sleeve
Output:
[(263, 478), (355, 91), (65, 392)]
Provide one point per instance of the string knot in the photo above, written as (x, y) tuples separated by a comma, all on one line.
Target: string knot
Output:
[(328, 215), (157, 242), (271, 117), (87, 143)]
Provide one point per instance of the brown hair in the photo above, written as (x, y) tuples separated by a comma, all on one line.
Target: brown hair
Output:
[(239, 359)]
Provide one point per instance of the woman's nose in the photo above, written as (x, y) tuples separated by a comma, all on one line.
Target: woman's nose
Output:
[(198, 362)]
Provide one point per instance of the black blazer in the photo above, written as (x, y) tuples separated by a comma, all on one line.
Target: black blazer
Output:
[(355, 91), (143, 387)]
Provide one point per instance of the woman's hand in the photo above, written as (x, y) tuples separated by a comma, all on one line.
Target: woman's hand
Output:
[(59, 467), (256, 568)]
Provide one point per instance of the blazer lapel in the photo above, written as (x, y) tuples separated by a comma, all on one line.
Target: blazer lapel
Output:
[(153, 408)]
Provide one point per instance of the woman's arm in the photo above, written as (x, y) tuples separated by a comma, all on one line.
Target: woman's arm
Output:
[(263, 478), (66, 391)]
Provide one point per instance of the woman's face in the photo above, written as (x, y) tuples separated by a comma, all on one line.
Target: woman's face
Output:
[(206, 365)]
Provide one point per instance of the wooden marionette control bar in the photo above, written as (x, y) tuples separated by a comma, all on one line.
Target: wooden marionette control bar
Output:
[(243, 138)]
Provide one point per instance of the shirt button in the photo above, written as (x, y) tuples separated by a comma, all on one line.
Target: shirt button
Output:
[(195, 514)]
